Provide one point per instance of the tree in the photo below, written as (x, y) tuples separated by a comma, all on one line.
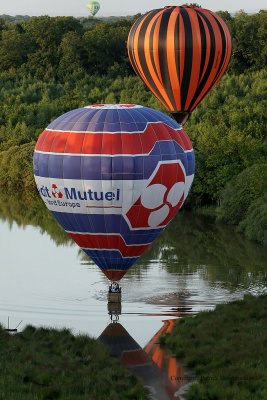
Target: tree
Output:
[(14, 47), (192, 5), (70, 55), (249, 41), (242, 191), (105, 45)]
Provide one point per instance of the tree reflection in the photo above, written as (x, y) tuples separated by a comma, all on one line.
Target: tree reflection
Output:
[(192, 244), (28, 209), (195, 244)]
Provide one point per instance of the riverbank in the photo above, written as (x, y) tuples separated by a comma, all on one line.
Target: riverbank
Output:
[(226, 349), (50, 364)]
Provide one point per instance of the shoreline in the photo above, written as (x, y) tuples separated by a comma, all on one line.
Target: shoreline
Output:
[(219, 348)]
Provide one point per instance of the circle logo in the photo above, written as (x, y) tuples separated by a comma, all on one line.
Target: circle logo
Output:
[(161, 199)]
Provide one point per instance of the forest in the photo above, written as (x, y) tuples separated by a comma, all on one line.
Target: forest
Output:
[(50, 65)]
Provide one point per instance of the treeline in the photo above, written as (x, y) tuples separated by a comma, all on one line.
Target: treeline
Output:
[(63, 47), (85, 21), (51, 65)]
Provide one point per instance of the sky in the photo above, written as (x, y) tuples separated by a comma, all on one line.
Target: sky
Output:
[(77, 8)]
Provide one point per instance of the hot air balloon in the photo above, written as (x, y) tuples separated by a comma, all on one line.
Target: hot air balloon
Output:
[(93, 7), (114, 176), (180, 53)]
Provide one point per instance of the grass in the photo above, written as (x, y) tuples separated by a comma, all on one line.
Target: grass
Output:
[(48, 364), (227, 350)]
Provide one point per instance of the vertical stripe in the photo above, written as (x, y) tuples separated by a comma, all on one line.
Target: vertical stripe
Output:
[(196, 56), (133, 49), (187, 57), (177, 51), (163, 58), (172, 368), (226, 47), (181, 48), (139, 45), (156, 46), (149, 55), (153, 47), (172, 57), (218, 53), (223, 52), (200, 93), (208, 47), (203, 61)]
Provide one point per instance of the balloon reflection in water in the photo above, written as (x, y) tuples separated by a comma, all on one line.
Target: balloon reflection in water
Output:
[(155, 366)]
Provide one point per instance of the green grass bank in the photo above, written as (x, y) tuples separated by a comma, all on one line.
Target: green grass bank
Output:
[(48, 364), (226, 349)]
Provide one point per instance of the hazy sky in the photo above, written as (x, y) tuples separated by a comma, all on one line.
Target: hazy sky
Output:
[(116, 7)]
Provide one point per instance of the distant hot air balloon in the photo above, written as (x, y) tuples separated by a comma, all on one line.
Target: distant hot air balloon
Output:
[(180, 53), (93, 7), (114, 176)]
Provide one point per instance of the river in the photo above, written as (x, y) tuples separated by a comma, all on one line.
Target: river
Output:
[(47, 281)]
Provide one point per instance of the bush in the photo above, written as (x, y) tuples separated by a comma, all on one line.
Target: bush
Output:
[(241, 192), (16, 169), (254, 225), (220, 346)]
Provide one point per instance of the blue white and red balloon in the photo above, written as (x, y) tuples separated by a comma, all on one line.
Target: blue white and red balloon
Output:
[(114, 176)]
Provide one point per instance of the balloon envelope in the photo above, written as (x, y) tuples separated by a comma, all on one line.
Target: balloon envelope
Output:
[(180, 53), (114, 176), (93, 7)]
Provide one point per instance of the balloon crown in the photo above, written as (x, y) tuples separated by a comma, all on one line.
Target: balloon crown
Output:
[(113, 106)]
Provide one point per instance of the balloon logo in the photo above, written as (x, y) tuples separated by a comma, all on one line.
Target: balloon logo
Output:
[(114, 176), (93, 7), (56, 192), (180, 53), (161, 199)]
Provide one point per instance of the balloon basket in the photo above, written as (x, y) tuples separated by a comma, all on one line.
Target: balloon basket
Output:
[(114, 308), (114, 298)]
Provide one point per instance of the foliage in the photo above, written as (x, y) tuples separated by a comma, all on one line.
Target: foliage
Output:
[(192, 4), (254, 225), (51, 65), (241, 192), (27, 208), (16, 167), (228, 133), (219, 347), (194, 244), (50, 364), (249, 41), (34, 45)]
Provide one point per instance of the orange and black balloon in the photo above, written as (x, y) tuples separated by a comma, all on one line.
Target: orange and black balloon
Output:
[(180, 53)]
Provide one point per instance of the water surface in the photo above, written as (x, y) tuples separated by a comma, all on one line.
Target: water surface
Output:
[(46, 280)]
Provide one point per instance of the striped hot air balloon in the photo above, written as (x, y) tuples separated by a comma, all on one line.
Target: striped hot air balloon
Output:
[(180, 53), (114, 176)]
